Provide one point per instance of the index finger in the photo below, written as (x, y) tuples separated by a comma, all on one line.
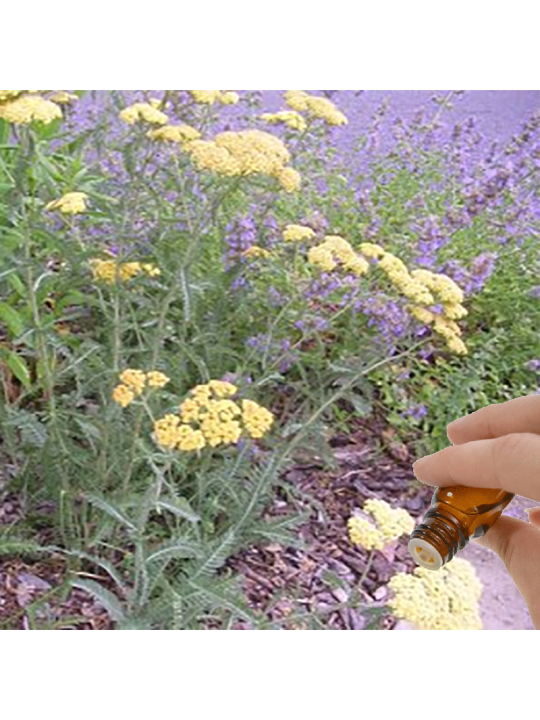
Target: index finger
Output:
[(521, 415), (510, 462)]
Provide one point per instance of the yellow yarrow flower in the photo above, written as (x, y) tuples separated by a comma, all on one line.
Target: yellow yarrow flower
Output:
[(334, 249), (298, 233), (188, 439), (156, 379), (123, 395), (9, 94), (447, 599), (229, 97), (69, 204), (25, 109), (441, 285), (208, 416), (135, 382), (209, 97), (247, 152), (290, 118), (143, 112), (180, 134), (110, 270), (422, 314), (257, 420), (454, 311), (319, 107), (134, 379), (371, 250), (289, 179), (391, 523), (256, 252), (322, 258), (166, 431), (63, 98)]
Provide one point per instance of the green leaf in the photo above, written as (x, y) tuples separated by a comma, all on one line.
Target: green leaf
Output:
[(111, 510), (178, 547), (178, 506), (18, 367), (105, 597), (12, 319)]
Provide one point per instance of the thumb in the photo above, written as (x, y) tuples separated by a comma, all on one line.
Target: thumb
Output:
[(517, 543)]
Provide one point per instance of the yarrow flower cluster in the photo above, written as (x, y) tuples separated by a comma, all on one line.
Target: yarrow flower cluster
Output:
[(147, 112), (210, 417), (426, 288), (209, 97), (335, 251), (256, 252), (247, 152), (22, 107), (134, 383), (180, 134), (290, 118), (110, 271), (443, 600), (71, 203), (318, 107), (298, 233), (391, 523)]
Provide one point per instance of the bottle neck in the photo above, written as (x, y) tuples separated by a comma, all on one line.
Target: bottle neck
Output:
[(443, 532)]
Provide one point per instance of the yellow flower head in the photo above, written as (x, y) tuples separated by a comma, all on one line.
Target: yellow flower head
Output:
[(209, 97), (205, 97), (63, 98), (143, 112), (69, 204), (322, 258), (208, 416), (9, 94), (111, 271), (289, 179), (134, 379), (422, 314), (156, 379), (297, 233), (166, 431), (391, 523), (256, 252), (318, 107), (180, 134), (229, 97), (334, 250), (371, 250), (290, 118), (442, 286), (24, 109), (443, 600), (257, 420), (247, 152), (454, 311), (123, 395)]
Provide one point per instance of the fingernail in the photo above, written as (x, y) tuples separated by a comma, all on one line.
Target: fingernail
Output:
[(527, 510)]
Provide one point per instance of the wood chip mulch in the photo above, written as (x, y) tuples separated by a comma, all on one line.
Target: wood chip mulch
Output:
[(284, 582)]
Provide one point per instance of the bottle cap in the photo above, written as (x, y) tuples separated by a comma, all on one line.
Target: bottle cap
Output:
[(425, 554)]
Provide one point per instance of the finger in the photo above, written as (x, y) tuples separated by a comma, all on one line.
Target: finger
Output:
[(534, 516), (510, 462), (517, 543), (515, 416)]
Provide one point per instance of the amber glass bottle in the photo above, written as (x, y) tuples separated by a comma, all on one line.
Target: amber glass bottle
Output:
[(457, 514)]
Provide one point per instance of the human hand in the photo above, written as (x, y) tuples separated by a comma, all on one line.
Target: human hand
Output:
[(499, 447)]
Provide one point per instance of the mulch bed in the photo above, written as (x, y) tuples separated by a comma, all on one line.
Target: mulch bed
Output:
[(299, 578)]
